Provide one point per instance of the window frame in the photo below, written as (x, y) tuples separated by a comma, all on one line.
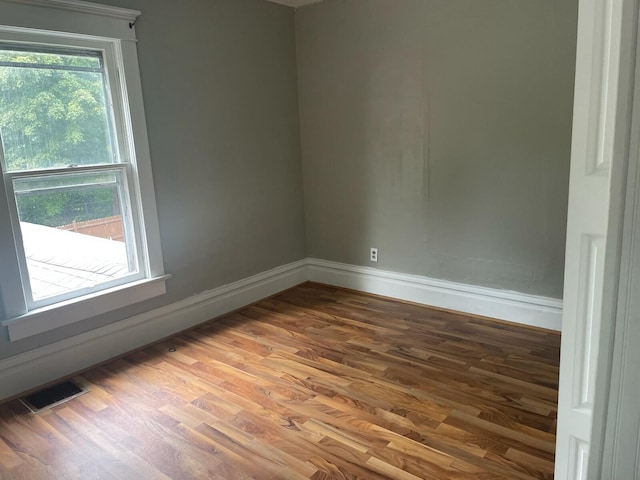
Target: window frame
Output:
[(22, 316)]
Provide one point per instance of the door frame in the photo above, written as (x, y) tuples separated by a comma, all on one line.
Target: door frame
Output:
[(621, 264), (623, 197)]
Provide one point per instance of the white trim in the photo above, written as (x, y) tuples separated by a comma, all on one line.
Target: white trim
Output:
[(500, 304), (31, 369), (69, 17), (615, 438), (84, 7), (80, 308)]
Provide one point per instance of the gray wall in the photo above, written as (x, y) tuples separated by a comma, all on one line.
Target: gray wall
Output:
[(219, 84), (439, 132)]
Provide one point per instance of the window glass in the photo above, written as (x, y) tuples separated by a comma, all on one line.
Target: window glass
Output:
[(74, 231), (54, 110)]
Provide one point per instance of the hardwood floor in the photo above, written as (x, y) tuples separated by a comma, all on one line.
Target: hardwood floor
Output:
[(315, 383)]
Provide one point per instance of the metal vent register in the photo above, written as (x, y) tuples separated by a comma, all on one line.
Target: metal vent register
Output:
[(52, 396)]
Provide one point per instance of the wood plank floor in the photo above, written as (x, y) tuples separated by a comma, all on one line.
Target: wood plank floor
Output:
[(315, 383)]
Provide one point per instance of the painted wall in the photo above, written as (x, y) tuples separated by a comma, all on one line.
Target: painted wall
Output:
[(219, 84), (439, 131)]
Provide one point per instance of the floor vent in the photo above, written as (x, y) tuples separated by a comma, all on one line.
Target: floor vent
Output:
[(52, 396)]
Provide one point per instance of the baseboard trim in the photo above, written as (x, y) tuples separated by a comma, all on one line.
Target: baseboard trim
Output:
[(43, 365), (511, 306)]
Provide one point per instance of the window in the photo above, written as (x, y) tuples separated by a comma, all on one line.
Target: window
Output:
[(76, 179), (63, 170)]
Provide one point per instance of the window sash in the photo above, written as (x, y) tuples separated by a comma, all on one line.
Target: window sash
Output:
[(115, 111), (133, 233)]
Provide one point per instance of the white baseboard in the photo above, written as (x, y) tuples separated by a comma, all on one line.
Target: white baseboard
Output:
[(51, 362), (37, 367), (504, 305)]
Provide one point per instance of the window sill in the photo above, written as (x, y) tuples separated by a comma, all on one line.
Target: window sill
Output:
[(65, 313)]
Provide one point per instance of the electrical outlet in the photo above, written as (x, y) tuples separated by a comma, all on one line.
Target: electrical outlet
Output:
[(373, 255)]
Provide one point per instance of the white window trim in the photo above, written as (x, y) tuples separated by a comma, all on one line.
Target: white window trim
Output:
[(57, 315), (75, 20)]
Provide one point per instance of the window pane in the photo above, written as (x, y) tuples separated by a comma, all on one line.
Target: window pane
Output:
[(74, 231), (53, 110)]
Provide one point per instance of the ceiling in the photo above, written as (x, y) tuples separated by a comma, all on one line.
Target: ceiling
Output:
[(296, 3)]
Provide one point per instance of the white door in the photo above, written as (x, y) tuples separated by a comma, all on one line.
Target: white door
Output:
[(598, 71)]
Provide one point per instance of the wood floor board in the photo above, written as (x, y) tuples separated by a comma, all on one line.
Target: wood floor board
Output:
[(315, 383)]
